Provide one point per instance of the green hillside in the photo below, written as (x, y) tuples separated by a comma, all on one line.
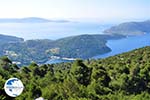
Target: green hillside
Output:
[(84, 46), (9, 39), (130, 28), (121, 77), (40, 51)]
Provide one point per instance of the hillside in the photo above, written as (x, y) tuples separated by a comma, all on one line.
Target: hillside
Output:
[(130, 28), (25, 52), (82, 46), (121, 77), (9, 39), (5, 39)]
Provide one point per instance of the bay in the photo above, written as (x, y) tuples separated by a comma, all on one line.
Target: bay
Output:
[(126, 44), (119, 46), (59, 30)]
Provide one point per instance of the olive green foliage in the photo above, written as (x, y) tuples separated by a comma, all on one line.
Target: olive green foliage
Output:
[(122, 77)]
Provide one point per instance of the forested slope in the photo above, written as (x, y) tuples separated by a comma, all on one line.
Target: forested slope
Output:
[(122, 77)]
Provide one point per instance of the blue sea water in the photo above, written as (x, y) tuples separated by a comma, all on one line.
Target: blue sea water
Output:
[(126, 44), (120, 46), (58, 30)]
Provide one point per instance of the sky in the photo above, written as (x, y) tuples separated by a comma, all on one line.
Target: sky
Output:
[(80, 9)]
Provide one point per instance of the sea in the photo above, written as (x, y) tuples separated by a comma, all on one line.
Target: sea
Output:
[(55, 31)]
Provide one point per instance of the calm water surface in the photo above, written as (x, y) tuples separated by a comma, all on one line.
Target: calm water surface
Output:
[(120, 46), (58, 30)]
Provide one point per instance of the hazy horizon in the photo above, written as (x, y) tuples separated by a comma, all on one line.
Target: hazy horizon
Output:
[(100, 10), (93, 16)]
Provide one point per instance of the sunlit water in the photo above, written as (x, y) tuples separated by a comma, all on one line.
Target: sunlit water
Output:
[(50, 30)]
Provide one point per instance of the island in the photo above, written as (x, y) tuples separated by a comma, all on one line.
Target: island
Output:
[(42, 50), (30, 20), (130, 28)]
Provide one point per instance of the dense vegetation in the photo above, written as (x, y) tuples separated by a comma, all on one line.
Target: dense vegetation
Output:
[(82, 46), (130, 28), (122, 77)]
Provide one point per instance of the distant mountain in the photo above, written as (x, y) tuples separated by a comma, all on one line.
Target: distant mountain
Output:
[(82, 46), (29, 20), (130, 28)]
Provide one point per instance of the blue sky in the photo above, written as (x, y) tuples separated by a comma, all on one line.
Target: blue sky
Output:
[(96, 9)]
